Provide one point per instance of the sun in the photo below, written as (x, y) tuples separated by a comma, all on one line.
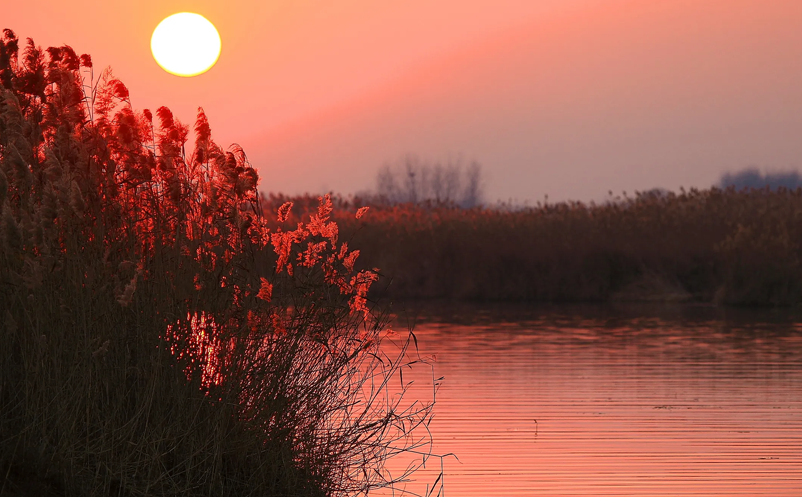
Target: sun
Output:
[(185, 44)]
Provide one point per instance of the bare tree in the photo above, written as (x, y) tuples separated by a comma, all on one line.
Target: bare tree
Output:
[(412, 180), (471, 193), (412, 168), (386, 185), (452, 180)]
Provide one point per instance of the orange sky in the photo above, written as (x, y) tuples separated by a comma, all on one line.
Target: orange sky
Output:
[(569, 98)]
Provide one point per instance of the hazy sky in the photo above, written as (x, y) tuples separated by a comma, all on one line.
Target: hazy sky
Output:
[(569, 98)]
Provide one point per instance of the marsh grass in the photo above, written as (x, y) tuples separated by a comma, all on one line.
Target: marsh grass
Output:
[(728, 246), (161, 336)]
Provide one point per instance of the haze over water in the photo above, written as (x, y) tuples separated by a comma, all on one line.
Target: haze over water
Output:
[(596, 402)]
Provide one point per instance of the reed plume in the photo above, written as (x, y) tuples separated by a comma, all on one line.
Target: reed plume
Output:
[(160, 336)]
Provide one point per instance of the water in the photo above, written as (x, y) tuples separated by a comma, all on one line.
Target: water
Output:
[(615, 402)]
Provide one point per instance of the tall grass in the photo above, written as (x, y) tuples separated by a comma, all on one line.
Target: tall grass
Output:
[(728, 246), (160, 335)]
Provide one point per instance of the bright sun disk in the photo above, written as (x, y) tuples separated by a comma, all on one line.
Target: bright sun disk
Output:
[(185, 44)]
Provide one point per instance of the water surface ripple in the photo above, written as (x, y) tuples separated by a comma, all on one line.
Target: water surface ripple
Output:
[(594, 403)]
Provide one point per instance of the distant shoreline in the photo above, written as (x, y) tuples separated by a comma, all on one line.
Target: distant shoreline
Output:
[(717, 246)]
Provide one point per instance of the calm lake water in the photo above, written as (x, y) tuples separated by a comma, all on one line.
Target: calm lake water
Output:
[(643, 401)]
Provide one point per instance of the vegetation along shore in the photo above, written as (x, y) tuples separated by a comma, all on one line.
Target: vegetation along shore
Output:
[(720, 245), (162, 334)]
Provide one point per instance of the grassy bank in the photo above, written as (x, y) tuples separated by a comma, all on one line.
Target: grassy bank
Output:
[(723, 246), (159, 335)]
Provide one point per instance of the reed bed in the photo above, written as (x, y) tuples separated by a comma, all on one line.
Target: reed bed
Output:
[(160, 334), (725, 246)]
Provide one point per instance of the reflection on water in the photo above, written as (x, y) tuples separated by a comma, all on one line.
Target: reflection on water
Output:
[(643, 402)]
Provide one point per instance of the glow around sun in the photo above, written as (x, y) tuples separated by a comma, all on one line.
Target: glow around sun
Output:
[(185, 44)]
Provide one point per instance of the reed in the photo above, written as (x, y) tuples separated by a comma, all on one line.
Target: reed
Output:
[(727, 246), (160, 335)]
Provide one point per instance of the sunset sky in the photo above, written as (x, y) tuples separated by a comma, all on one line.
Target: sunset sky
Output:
[(569, 98)]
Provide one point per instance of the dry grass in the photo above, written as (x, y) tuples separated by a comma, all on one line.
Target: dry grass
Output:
[(161, 336), (724, 246)]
